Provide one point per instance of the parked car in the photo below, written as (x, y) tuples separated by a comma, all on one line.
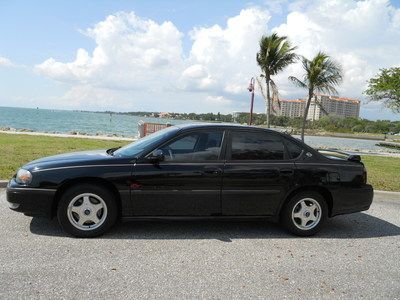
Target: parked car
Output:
[(197, 171)]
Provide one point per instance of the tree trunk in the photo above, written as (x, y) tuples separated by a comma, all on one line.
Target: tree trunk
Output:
[(268, 113), (310, 94)]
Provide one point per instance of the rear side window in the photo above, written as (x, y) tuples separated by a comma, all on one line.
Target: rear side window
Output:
[(256, 146), (293, 149)]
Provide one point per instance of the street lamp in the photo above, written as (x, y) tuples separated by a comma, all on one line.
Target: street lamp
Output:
[(251, 90)]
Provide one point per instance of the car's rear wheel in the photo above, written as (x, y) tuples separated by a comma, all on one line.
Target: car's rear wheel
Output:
[(305, 213), (87, 210)]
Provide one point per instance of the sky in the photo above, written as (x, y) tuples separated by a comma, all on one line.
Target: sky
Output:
[(183, 56)]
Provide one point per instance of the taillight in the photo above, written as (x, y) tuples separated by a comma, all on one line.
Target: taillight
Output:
[(364, 177)]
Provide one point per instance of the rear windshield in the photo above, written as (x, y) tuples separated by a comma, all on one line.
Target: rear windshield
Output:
[(333, 154)]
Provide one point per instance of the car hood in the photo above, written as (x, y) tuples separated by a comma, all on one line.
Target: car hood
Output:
[(69, 159)]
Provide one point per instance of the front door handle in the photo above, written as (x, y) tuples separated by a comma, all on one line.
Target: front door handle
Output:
[(212, 171)]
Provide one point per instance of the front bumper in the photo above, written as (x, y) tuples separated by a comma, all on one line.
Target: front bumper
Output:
[(30, 201), (350, 200)]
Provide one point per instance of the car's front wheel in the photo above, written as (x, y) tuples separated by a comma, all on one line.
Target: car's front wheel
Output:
[(305, 213), (87, 210)]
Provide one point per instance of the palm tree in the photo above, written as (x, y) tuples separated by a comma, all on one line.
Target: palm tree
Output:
[(322, 74), (276, 53)]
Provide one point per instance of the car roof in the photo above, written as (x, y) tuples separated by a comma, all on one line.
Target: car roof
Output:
[(199, 125), (219, 125)]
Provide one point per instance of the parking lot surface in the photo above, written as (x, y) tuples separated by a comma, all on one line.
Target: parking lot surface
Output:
[(355, 256)]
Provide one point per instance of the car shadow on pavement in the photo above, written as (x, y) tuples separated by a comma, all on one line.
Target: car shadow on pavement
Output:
[(358, 225)]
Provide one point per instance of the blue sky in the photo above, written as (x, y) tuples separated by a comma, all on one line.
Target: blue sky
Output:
[(209, 49)]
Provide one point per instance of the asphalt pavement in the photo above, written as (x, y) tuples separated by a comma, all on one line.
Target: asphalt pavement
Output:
[(355, 256)]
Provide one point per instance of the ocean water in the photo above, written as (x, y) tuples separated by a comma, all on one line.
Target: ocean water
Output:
[(65, 121), (351, 145)]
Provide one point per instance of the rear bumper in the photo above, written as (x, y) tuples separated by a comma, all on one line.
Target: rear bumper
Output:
[(30, 201), (350, 200)]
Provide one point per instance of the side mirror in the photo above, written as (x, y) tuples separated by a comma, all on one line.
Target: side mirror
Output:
[(354, 157), (156, 156)]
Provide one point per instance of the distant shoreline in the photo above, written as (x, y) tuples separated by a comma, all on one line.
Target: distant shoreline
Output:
[(131, 139), (66, 135), (360, 136), (124, 124)]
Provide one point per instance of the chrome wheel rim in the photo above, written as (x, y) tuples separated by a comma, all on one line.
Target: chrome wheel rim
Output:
[(306, 213), (87, 211)]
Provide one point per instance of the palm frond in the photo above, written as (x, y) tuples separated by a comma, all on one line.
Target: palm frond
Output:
[(326, 89), (297, 82), (259, 82), (276, 53), (322, 74), (275, 96), (320, 106)]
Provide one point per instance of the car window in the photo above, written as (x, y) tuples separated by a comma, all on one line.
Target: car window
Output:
[(256, 146), (197, 146), (293, 149), (186, 143), (146, 142)]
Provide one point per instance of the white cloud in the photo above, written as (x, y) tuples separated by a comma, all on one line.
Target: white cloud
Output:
[(131, 53), (197, 77), (362, 35), (5, 62), (226, 54), (218, 100), (142, 60)]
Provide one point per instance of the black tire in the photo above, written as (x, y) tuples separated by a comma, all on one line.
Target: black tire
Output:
[(94, 193), (298, 225)]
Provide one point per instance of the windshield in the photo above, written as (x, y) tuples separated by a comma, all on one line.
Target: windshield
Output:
[(144, 143)]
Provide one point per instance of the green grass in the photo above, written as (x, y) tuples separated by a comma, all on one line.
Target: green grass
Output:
[(16, 150), (383, 172)]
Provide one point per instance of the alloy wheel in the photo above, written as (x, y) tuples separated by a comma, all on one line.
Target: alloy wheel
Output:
[(306, 213), (87, 211)]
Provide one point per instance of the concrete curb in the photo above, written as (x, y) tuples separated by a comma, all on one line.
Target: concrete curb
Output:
[(3, 184), (387, 192)]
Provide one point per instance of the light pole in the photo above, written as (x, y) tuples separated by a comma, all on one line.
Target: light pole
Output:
[(251, 90)]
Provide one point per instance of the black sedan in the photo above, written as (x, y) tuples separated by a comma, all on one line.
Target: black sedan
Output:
[(194, 171)]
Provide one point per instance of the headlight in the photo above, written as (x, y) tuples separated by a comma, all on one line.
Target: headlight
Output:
[(23, 176)]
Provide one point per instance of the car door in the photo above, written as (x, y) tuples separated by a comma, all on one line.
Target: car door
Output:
[(188, 181), (257, 173)]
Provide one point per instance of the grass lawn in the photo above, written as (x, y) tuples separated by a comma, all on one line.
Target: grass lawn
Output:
[(17, 150), (383, 172)]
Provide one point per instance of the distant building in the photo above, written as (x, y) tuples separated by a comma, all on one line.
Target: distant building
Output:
[(292, 108), (164, 115), (235, 115), (342, 107)]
